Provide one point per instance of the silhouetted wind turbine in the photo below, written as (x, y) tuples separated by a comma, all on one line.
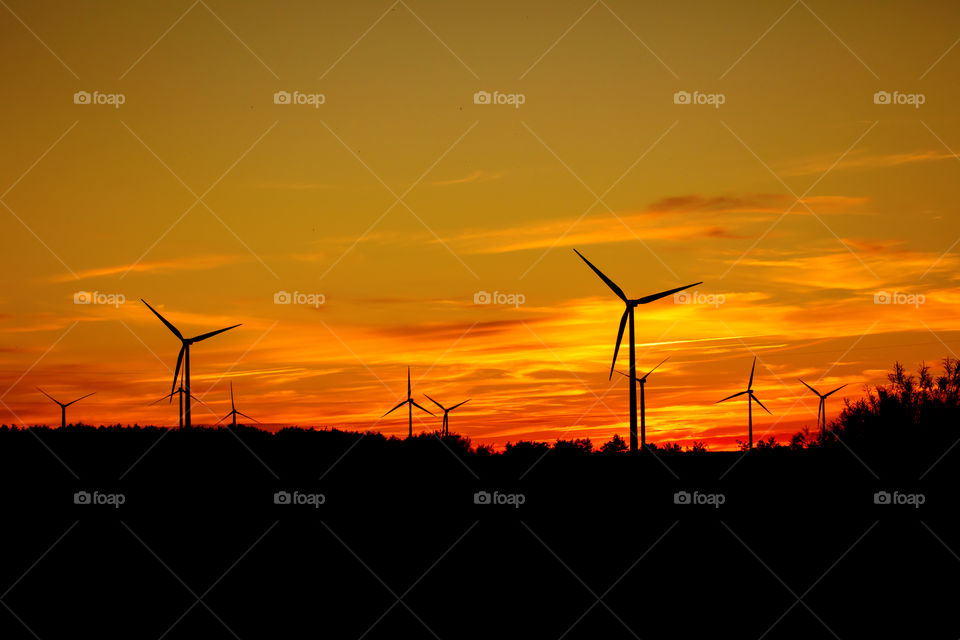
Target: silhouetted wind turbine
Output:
[(412, 403), (643, 413), (184, 357), (234, 412), (445, 429), (63, 406), (628, 314), (822, 406), (751, 398), (179, 392)]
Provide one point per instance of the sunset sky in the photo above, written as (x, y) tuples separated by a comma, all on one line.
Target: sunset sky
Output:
[(797, 201)]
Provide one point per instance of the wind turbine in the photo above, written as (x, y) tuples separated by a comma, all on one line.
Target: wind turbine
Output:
[(412, 403), (63, 406), (234, 412), (751, 398), (643, 413), (179, 392), (628, 315), (822, 407), (445, 429), (184, 358)]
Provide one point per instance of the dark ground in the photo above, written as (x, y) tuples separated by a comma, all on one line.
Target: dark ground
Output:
[(399, 549)]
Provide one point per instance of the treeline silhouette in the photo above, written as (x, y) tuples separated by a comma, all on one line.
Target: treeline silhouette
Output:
[(919, 410), (518, 541)]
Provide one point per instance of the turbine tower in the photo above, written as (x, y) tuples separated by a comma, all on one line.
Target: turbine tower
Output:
[(628, 315), (751, 398), (643, 412), (184, 358), (822, 406), (63, 406), (179, 392), (412, 403), (445, 429), (233, 412)]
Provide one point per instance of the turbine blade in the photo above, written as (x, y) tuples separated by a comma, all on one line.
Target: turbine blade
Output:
[(819, 409), (760, 403), (414, 403), (754, 368), (663, 294), (809, 387), (731, 397), (826, 395), (232, 404), (457, 405), (47, 394), (222, 419), (176, 372), (610, 283), (656, 367), (172, 328), (623, 323), (435, 402), (409, 395), (79, 399), (240, 413), (395, 408), (169, 395), (204, 336), (200, 401)]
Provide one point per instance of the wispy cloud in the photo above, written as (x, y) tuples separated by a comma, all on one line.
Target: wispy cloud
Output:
[(658, 222), (193, 263), (295, 186), (476, 176), (859, 159)]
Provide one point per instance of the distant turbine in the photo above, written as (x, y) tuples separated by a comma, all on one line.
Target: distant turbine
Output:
[(63, 407), (234, 412), (822, 406), (179, 392), (445, 429), (184, 358), (751, 398), (628, 314), (409, 401), (643, 413)]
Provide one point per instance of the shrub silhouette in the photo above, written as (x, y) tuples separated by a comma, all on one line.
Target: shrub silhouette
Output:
[(920, 408)]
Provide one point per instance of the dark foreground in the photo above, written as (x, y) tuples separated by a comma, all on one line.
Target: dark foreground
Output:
[(786, 544)]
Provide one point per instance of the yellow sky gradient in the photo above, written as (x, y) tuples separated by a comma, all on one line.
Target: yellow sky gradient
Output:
[(398, 199)]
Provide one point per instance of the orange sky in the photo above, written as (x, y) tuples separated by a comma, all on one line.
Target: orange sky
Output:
[(797, 200)]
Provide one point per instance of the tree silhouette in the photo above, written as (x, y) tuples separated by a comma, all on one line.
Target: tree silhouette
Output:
[(614, 446)]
